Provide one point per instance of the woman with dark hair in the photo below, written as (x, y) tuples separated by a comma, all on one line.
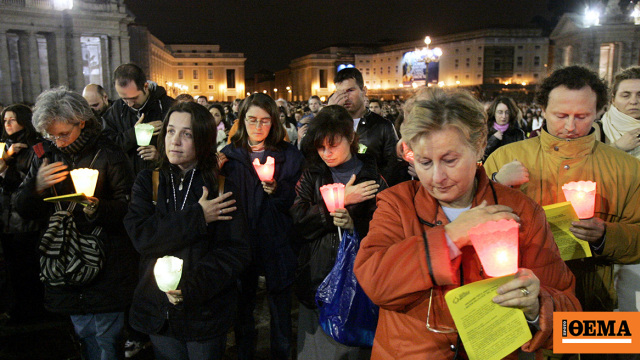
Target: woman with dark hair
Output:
[(266, 204), (76, 141), (19, 236), (504, 117), (332, 151), (189, 220), (218, 115), (289, 126)]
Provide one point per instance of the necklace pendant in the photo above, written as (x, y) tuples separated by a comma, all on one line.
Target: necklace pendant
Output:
[(180, 186)]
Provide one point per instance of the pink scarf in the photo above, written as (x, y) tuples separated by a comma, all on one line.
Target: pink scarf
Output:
[(501, 128)]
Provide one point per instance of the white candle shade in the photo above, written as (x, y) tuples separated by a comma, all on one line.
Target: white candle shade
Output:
[(144, 133), (168, 271), (85, 180), (2, 145)]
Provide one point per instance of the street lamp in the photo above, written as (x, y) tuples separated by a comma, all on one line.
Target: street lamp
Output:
[(429, 55)]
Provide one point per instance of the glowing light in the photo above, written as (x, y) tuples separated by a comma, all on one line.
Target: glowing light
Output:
[(323, 98), (144, 133), (496, 243), (524, 83), (457, 82), (170, 83), (591, 17), (84, 180), (441, 84), (264, 91), (62, 4), (333, 196), (168, 271), (265, 171), (582, 195), (275, 90)]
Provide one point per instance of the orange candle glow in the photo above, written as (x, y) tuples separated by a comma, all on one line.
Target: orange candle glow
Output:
[(408, 153), (333, 196), (582, 195), (265, 172), (2, 145), (496, 243)]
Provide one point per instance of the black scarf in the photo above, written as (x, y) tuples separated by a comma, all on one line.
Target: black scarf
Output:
[(85, 135)]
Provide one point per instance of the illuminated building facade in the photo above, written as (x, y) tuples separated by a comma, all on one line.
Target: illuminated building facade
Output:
[(47, 43)]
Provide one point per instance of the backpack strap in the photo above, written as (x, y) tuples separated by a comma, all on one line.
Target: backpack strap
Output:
[(220, 185), (155, 181)]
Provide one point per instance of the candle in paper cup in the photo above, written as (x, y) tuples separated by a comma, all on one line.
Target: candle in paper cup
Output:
[(333, 196), (168, 271), (582, 195), (265, 171), (85, 180), (144, 132), (496, 243)]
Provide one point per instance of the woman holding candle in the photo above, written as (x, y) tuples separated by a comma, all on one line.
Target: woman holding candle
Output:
[(332, 152), (19, 236), (75, 140), (266, 204), (189, 220), (418, 249), (503, 124)]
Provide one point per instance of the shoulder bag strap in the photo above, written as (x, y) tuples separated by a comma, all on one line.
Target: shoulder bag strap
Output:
[(221, 180), (155, 181)]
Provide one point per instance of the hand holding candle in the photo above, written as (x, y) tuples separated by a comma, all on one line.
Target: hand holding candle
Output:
[(265, 171), (582, 195)]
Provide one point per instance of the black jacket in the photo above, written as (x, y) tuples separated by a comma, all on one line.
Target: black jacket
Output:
[(514, 133), (17, 168), (119, 120), (111, 291), (380, 138), (270, 228), (317, 236), (214, 254)]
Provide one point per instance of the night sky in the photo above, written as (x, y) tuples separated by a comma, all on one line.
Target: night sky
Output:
[(271, 33)]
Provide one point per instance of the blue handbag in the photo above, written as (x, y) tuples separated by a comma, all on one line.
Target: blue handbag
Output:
[(346, 312)]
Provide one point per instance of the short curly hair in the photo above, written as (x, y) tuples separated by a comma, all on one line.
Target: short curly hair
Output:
[(573, 77)]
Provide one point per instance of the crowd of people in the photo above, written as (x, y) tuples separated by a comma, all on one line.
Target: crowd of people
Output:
[(417, 176)]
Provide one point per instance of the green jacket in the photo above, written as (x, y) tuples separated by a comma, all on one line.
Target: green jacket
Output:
[(552, 162)]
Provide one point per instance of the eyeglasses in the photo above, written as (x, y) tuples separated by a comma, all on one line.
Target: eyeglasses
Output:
[(64, 136), (442, 329), (254, 122), (501, 112)]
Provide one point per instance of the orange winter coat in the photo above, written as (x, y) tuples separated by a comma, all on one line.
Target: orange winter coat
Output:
[(397, 271)]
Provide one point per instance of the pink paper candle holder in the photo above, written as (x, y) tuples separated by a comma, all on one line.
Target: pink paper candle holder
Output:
[(333, 196), (582, 195), (265, 171), (496, 243)]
